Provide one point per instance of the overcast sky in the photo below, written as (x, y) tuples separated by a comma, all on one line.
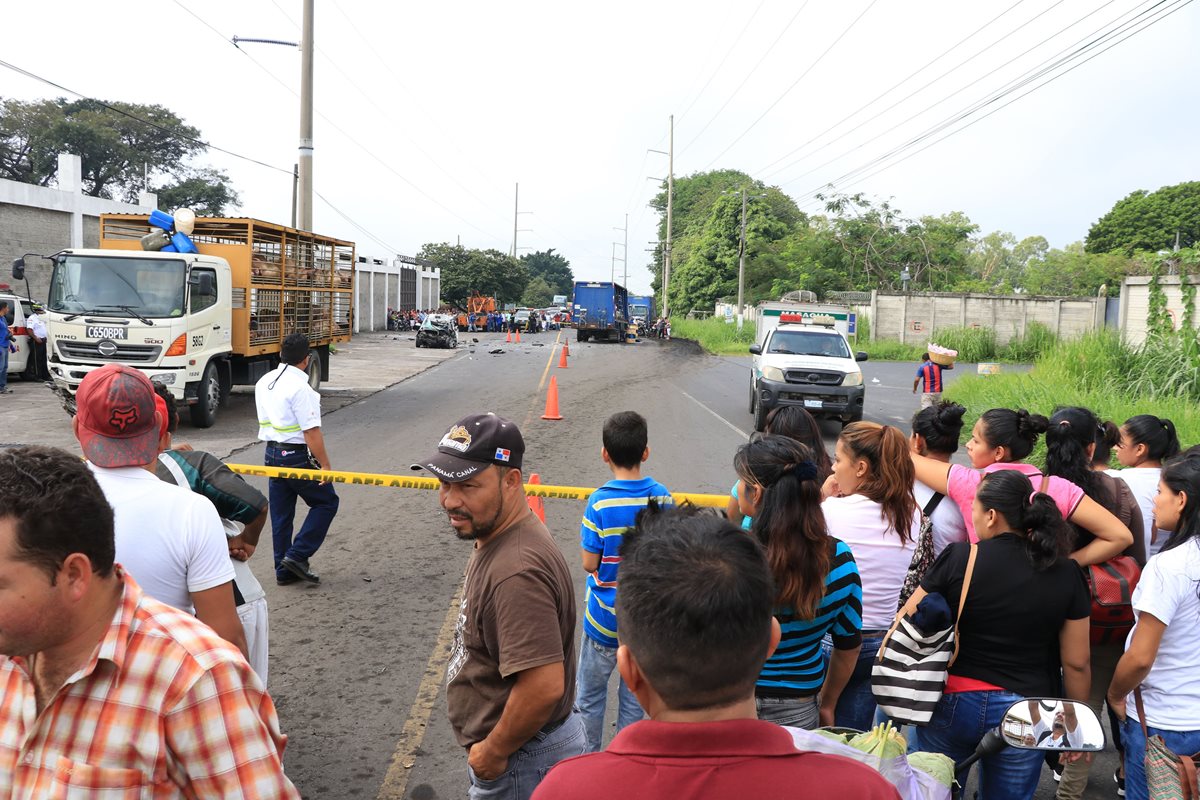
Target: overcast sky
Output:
[(429, 113)]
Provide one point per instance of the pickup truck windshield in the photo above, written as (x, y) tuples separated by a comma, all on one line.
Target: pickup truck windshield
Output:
[(808, 343), (118, 287)]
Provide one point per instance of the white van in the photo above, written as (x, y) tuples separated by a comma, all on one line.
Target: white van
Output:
[(19, 310)]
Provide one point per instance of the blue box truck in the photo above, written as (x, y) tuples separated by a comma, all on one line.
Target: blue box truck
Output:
[(641, 310), (599, 310)]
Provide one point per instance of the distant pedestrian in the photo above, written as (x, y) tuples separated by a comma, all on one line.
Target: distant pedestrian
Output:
[(929, 381), (289, 421), (38, 333), (169, 539), (7, 345), (611, 510), (105, 691), (243, 512), (510, 682)]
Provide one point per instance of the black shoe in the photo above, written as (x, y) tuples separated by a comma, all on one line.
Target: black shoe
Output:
[(299, 569), (286, 579)]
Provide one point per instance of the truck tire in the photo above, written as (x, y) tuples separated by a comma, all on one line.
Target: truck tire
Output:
[(753, 395), (852, 418), (580, 336), (760, 416), (208, 398), (313, 370)]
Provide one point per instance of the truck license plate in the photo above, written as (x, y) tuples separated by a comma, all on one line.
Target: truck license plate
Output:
[(106, 332), (812, 403)]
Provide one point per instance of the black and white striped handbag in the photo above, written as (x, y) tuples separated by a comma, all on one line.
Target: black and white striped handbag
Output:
[(909, 673)]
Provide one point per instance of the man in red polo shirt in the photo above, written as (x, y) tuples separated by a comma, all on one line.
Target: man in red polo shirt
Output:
[(696, 627)]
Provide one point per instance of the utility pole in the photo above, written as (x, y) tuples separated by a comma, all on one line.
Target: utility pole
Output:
[(516, 215), (670, 207), (305, 169), (295, 189), (624, 253), (741, 261)]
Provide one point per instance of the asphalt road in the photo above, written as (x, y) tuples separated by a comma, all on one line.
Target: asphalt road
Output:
[(357, 663)]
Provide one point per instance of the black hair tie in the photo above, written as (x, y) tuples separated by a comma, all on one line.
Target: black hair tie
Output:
[(805, 471)]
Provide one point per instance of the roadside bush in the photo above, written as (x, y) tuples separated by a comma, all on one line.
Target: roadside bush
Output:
[(973, 344), (1038, 339), (715, 335)]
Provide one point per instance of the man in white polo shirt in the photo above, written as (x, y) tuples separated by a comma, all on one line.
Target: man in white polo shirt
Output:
[(289, 421), (169, 539)]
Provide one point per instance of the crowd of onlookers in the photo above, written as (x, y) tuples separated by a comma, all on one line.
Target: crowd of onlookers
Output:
[(482, 322)]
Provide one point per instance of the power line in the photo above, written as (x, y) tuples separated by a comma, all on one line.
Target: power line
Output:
[(724, 58), (1144, 24), (795, 83), (956, 92), (897, 85), (364, 231), (749, 75)]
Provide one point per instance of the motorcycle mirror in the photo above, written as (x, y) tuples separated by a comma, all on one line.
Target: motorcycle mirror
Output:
[(1051, 723)]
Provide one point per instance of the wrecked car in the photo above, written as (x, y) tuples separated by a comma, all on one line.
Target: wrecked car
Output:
[(435, 332)]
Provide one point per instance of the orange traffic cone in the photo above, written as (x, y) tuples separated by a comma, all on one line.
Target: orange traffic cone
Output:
[(536, 504), (518, 336), (508, 338), (566, 347), (552, 400), (562, 359)]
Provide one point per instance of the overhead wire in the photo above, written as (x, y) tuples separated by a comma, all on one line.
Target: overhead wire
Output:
[(737, 39), (794, 83), (1175, 5)]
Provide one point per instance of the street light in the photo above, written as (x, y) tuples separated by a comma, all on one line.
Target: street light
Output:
[(742, 252)]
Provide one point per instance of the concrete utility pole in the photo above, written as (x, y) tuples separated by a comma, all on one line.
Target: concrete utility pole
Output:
[(305, 192), (670, 208), (624, 253), (516, 215), (741, 262)]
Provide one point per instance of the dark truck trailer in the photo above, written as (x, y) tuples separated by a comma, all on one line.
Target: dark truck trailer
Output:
[(600, 311)]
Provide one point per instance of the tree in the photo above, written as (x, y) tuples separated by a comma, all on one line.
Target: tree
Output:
[(121, 154), (466, 271), (538, 293), (1149, 221), (1074, 272), (206, 191), (553, 269)]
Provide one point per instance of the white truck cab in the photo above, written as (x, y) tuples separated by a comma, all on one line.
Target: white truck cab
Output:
[(808, 364)]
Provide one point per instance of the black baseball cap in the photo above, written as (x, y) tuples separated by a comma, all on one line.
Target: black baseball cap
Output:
[(473, 444)]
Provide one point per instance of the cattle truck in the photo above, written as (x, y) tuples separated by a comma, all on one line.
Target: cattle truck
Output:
[(200, 323)]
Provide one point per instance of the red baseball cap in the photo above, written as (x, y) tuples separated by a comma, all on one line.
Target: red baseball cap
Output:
[(118, 426)]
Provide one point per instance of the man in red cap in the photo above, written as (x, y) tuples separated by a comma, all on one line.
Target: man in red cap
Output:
[(510, 683), (168, 538)]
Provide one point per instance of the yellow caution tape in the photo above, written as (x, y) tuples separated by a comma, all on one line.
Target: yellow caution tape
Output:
[(420, 482)]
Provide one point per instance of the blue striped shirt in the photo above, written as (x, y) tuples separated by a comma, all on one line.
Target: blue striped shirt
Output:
[(796, 669), (611, 510)]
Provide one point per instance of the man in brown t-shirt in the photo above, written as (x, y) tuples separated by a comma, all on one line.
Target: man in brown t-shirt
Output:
[(510, 682)]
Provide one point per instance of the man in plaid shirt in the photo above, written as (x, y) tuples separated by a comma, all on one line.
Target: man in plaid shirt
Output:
[(105, 692)]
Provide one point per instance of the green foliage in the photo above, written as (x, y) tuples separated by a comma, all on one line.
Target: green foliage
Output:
[(1158, 321), (1038, 340), (208, 192), (1149, 221), (538, 293), (1074, 272), (715, 335), (889, 350), (973, 344), (465, 271), (553, 269)]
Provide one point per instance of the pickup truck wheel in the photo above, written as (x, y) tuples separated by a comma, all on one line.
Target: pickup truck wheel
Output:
[(314, 370), (760, 416), (208, 398), (753, 396)]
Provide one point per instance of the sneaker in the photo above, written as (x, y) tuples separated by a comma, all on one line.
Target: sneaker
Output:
[(1058, 771), (1120, 781)]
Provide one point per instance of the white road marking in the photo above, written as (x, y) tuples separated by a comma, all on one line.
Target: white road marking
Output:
[(733, 427)]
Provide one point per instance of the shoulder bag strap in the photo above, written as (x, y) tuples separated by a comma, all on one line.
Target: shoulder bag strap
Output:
[(962, 599), (1137, 701), (932, 505)]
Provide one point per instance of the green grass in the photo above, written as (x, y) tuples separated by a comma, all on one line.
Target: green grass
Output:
[(715, 335), (1099, 372), (973, 344)]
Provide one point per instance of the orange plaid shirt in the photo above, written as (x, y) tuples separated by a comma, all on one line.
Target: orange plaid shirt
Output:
[(164, 708)]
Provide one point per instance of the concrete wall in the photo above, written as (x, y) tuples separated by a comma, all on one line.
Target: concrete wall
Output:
[(1135, 304), (913, 318), (381, 286)]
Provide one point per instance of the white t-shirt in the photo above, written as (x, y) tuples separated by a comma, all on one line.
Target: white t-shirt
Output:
[(948, 524), (247, 584), (167, 537), (1169, 590), (881, 557), (1043, 734), (1143, 482)]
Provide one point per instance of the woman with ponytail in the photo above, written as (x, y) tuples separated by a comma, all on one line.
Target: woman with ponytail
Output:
[(1000, 440), (1161, 656), (1143, 443), (870, 506), (817, 585), (1070, 446), (795, 423), (1027, 614)]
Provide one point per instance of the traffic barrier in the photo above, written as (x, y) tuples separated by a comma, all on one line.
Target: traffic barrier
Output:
[(552, 400), (420, 482), (562, 359), (536, 504)]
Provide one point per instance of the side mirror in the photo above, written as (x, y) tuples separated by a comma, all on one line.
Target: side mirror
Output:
[(756, 350), (1050, 723), (861, 356), (18, 268), (204, 282)]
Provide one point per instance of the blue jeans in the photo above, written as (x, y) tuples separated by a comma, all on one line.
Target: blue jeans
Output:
[(856, 706), (322, 504), (1182, 742), (596, 664), (794, 712), (3, 367), (529, 765), (960, 722)]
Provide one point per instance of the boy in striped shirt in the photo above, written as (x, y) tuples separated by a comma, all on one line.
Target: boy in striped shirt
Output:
[(612, 509), (929, 380)]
